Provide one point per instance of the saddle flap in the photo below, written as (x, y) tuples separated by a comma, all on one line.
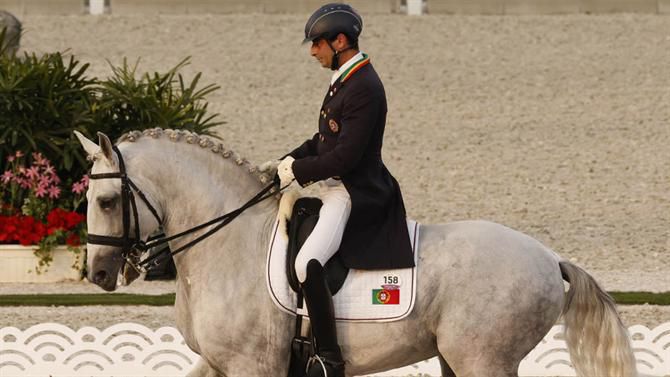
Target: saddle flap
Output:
[(304, 217)]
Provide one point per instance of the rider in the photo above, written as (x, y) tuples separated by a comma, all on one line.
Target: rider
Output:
[(363, 215)]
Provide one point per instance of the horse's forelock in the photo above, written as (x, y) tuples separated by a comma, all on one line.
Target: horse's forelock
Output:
[(94, 157)]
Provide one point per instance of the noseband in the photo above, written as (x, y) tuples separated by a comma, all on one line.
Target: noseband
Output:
[(133, 247)]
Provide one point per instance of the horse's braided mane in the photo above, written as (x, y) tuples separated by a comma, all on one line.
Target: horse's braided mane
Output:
[(203, 141)]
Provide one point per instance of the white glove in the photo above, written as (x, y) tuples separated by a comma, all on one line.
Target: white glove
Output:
[(285, 171), (269, 167)]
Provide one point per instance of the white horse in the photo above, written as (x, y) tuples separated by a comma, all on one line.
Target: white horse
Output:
[(486, 294)]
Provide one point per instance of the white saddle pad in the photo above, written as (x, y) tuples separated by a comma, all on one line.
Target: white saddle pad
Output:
[(366, 296)]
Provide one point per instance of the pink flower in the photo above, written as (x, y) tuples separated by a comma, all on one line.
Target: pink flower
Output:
[(32, 172), (18, 154), (24, 183), (54, 192), (11, 159), (39, 159), (44, 180), (78, 188), (49, 170), (7, 177), (41, 191), (84, 180), (43, 183)]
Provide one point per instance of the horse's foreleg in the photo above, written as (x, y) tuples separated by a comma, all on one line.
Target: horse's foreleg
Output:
[(202, 369)]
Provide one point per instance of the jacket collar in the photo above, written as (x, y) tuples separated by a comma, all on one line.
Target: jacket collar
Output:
[(358, 64), (347, 66), (350, 67)]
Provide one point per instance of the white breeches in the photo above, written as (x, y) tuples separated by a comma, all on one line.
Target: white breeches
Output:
[(326, 237)]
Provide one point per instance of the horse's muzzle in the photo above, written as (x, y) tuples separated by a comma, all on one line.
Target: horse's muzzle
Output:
[(103, 279)]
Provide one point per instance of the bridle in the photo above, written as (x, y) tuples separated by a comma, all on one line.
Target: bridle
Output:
[(132, 247)]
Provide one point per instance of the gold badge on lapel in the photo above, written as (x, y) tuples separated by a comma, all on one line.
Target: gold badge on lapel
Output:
[(333, 125)]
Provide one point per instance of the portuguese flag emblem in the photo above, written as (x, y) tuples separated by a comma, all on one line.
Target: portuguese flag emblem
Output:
[(385, 296)]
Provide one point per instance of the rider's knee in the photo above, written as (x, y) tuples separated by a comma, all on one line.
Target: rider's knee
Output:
[(300, 269), (314, 267), (303, 268)]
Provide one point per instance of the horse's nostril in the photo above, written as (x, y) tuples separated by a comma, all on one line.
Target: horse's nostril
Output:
[(100, 277)]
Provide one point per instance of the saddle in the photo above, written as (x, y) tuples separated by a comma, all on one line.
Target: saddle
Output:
[(303, 220), (358, 295)]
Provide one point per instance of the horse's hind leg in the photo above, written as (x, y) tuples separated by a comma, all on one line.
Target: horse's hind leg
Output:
[(479, 366), (446, 370), (471, 358)]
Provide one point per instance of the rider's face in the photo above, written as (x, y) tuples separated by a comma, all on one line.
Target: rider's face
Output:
[(322, 52)]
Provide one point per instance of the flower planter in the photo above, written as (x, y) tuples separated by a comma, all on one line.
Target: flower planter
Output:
[(18, 265)]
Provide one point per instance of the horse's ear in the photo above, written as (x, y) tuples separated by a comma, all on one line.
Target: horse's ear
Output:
[(106, 146), (90, 147)]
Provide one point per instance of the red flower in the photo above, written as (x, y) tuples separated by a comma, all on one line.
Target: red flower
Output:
[(73, 219), (29, 231), (5, 231), (73, 240), (55, 220), (8, 228), (59, 219)]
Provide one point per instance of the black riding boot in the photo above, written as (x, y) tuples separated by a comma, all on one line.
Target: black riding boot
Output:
[(322, 319)]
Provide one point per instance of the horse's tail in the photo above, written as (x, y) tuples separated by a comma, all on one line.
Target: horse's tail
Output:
[(597, 339)]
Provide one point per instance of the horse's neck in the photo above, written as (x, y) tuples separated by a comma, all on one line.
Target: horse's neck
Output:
[(194, 186), (227, 269), (236, 251)]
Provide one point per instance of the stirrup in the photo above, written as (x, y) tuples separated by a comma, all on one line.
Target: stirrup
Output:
[(323, 361), (314, 359)]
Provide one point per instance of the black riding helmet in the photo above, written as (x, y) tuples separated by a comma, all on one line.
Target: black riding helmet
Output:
[(329, 21)]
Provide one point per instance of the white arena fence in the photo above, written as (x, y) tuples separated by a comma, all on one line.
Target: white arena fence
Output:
[(129, 349)]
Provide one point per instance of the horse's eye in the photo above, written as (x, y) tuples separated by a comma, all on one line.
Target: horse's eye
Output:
[(107, 203)]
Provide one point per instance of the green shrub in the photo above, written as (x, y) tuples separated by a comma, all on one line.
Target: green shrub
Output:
[(43, 99), (126, 103)]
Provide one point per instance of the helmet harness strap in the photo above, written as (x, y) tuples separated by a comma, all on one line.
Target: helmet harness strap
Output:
[(335, 63)]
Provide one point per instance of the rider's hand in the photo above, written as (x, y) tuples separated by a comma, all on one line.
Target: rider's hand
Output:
[(285, 171)]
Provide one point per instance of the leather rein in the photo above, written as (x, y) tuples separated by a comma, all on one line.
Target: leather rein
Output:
[(132, 247)]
